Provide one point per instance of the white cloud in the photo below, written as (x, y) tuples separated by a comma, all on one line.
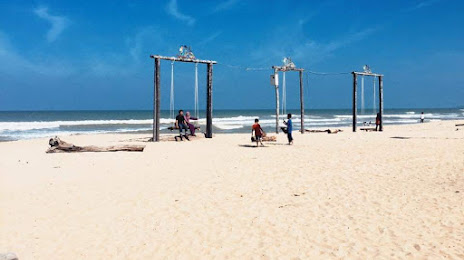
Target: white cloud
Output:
[(13, 63), (210, 38), (422, 4), (174, 11), (302, 49), (225, 5), (59, 23)]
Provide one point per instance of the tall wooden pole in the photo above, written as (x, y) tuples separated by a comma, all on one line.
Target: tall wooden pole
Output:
[(209, 100), (156, 101), (355, 108), (277, 101), (381, 102), (302, 102)]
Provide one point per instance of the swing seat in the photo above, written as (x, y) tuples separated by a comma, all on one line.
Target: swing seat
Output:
[(172, 128)]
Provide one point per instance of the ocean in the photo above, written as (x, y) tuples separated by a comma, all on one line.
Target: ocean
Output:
[(16, 125)]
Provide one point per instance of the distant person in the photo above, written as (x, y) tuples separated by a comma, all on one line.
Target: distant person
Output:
[(258, 133), (377, 122), (190, 125), (422, 117), (181, 124), (289, 128)]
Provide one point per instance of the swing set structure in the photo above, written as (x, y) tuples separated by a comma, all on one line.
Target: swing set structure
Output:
[(185, 55), (367, 72), (288, 66)]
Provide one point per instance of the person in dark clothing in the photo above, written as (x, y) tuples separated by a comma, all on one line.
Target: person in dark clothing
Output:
[(377, 122), (289, 128), (181, 124)]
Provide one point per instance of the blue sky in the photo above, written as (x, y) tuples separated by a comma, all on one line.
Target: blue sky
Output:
[(65, 55)]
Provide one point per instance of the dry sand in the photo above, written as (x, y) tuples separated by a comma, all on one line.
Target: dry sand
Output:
[(396, 194)]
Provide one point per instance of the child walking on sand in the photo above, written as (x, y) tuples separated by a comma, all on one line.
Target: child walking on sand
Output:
[(258, 131), (289, 128)]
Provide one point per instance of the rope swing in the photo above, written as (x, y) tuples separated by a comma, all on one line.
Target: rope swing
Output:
[(373, 100), (362, 95), (196, 108), (171, 104), (284, 94)]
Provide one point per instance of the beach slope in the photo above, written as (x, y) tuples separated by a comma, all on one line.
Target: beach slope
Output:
[(376, 195)]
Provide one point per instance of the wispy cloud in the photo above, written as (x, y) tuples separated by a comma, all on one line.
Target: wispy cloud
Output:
[(59, 23), (422, 4), (302, 49), (173, 10), (225, 5), (13, 63), (210, 38)]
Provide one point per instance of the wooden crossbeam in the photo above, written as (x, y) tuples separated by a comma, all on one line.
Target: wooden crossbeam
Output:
[(284, 68), (183, 59), (367, 74)]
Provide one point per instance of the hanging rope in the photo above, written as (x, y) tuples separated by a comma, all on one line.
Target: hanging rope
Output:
[(284, 94), (196, 112), (362, 95), (373, 100), (171, 104)]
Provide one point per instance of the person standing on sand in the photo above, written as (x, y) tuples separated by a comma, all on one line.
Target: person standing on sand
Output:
[(181, 124), (377, 122), (289, 128), (258, 131), (422, 117)]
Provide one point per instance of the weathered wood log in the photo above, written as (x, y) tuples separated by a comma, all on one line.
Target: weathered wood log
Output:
[(329, 131), (459, 124), (59, 146), (8, 256), (368, 129), (269, 139)]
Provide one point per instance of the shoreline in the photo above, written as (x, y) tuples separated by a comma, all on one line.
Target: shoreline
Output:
[(148, 132)]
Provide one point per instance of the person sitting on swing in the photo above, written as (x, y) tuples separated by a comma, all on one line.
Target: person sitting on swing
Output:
[(190, 125), (181, 124)]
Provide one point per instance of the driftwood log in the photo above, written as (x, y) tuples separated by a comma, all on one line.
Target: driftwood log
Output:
[(59, 146), (8, 256), (329, 131), (459, 124)]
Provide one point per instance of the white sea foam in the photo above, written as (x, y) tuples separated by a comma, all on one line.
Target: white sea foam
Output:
[(21, 126), (229, 126)]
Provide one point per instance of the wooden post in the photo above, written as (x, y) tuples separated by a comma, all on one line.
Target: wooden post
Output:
[(277, 101), (156, 101), (355, 108), (209, 101), (301, 102), (381, 102)]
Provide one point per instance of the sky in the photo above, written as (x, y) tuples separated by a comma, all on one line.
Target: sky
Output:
[(94, 55)]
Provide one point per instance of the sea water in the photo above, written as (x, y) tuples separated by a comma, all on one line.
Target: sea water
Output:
[(16, 125)]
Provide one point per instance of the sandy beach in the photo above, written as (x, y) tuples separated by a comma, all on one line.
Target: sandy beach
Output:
[(376, 195)]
